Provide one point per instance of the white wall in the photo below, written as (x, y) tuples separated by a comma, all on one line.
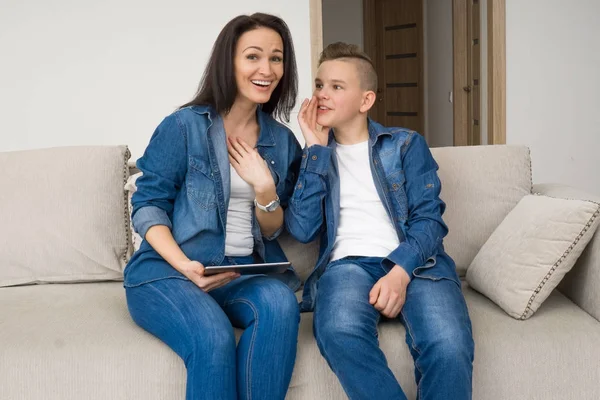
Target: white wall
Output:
[(553, 86), (342, 21), (97, 73), (438, 72)]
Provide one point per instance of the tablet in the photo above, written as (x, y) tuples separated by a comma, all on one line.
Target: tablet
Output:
[(249, 269)]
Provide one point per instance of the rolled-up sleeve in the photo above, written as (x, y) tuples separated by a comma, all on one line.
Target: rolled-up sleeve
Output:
[(164, 165)]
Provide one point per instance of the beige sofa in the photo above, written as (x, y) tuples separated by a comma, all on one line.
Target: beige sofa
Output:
[(76, 340)]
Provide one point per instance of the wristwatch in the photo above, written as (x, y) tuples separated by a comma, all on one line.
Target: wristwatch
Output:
[(272, 206)]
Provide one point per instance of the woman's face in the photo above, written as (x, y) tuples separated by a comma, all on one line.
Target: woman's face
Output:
[(258, 65)]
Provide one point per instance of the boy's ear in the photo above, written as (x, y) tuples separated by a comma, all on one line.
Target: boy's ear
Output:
[(369, 98)]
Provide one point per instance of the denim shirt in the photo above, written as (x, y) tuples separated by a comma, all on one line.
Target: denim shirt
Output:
[(186, 186), (405, 176)]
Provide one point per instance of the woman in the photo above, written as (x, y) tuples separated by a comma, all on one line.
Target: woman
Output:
[(209, 172)]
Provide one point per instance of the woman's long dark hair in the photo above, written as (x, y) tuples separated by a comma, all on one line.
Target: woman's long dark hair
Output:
[(218, 87)]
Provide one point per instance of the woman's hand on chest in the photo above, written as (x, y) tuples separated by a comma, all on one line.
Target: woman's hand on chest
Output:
[(249, 164)]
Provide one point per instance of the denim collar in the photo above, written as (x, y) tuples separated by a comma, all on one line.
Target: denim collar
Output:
[(265, 136), (375, 131)]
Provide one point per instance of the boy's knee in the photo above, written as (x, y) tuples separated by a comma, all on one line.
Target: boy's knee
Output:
[(451, 349), (338, 324)]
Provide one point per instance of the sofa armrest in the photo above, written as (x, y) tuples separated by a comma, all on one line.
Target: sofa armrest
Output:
[(582, 283)]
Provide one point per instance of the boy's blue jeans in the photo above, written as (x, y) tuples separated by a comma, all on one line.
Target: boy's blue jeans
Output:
[(198, 326), (438, 333)]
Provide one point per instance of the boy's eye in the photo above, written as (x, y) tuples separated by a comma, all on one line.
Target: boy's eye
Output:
[(337, 87), (318, 85)]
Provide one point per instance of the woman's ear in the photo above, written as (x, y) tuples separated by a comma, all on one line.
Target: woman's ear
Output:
[(368, 100)]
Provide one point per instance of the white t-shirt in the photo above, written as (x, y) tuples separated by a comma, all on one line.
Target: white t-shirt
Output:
[(365, 228), (238, 234)]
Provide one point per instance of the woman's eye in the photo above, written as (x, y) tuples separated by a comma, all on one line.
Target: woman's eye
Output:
[(252, 57), (276, 59)]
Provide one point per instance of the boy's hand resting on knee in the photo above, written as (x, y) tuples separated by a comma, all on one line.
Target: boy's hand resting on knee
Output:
[(389, 293)]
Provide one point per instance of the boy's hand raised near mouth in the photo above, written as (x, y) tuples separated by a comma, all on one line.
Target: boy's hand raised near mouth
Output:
[(307, 119)]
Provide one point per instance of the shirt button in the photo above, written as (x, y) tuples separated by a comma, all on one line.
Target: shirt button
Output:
[(314, 158), (272, 162), (299, 186), (303, 155), (395, 186)]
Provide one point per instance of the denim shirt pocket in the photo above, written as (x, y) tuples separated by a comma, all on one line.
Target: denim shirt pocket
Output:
[(200, 183), (396, 181), (271, 163)]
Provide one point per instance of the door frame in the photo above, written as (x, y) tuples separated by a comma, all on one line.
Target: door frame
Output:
[(316, 34), (496, 61), (496, 71)]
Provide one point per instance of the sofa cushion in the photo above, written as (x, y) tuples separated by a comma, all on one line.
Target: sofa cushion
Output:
[(64, 215), (77, 341), (552, 356), (582, 282), (527, 256), (480, 185)]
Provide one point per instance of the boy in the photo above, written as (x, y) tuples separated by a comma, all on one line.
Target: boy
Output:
[(372, 195)]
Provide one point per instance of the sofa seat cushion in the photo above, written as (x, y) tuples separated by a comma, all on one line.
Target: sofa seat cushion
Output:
[(553, 355), (77, 341), (74, 341)]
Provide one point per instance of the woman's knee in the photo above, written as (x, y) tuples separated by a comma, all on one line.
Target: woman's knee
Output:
[(274, 297)]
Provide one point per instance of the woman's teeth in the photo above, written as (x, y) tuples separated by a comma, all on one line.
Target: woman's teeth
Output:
[(262, 83)]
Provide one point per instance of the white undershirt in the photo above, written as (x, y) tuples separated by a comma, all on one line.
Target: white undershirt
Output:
[(364, 228), (238, 234)]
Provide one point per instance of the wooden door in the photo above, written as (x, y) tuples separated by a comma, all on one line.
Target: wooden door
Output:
[(393, 38), (474, 72), (467, 72)]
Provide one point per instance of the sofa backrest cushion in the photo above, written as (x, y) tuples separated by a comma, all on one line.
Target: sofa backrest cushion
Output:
[(480, 186), (64, 215)]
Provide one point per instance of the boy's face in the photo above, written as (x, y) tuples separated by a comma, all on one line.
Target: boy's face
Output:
[(339, 93)]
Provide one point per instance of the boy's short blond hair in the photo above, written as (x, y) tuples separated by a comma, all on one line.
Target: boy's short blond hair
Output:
[(351, 52)]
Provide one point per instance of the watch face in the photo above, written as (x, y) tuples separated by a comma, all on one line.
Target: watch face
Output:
[(272, 206)]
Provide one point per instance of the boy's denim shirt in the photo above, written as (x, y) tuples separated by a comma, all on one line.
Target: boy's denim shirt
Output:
[(405, 176), (186, 186)]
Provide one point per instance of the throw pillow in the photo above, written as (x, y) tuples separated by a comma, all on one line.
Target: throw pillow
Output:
[(529, 253), (130, 187), (64, 215)]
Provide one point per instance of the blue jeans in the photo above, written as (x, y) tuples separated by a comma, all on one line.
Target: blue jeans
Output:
[(198, 326), (438, 333)]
